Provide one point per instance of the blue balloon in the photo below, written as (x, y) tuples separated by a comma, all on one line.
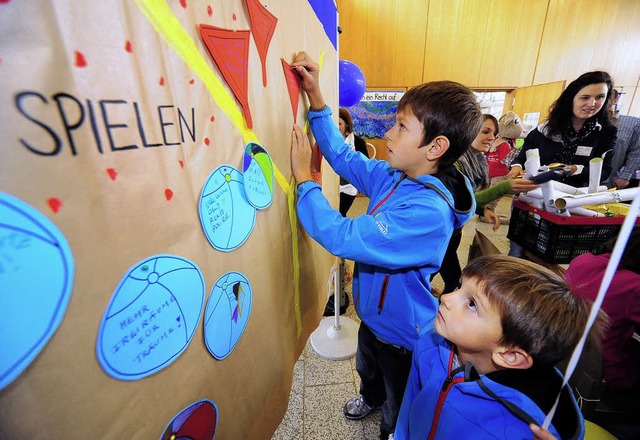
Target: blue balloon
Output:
[(352, 83)]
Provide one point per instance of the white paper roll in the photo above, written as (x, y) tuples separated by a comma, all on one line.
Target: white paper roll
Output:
[(548, 196), (622, 195), (595, 173), (585, 212)]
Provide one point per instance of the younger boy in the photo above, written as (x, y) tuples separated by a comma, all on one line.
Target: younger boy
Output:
[(488, 369), (416, 198)]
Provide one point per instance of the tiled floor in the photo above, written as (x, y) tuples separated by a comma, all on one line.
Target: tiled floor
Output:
[(321, 386)]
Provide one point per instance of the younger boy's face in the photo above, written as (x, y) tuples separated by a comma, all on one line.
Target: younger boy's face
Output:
[(467, 319), (404, 140)]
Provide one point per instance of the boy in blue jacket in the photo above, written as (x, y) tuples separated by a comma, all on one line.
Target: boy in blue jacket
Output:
[(416, 198), (488, 369)]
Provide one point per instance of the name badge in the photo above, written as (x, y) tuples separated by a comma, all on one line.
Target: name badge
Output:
[(583, 151)]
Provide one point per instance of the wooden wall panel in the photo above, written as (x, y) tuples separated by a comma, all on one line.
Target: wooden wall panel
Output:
[(381, 43), (400, 43), (352, 16), (511, 42), (623, 47), (455, 35), (572, 32), (408, 62), (536, 98)]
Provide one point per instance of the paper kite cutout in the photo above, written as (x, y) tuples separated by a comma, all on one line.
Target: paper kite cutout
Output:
[(198, 421), (258, 176), (263, 24), (151, 317), (293, 86), (227, 313), (36, 279), (226, 216), (230, 51)]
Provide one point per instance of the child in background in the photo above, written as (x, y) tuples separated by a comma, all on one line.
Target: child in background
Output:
[(416, 199), (488, 369), (621, 303)]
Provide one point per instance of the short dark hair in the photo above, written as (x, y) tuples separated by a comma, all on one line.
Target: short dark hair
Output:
[(445, 108), (561, 111), (538, 312), (346, 117)]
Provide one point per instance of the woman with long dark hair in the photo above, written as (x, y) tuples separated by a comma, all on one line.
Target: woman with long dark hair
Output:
[(580, 127)]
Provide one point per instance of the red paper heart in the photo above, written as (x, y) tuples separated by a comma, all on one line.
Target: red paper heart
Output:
[(212, 119), (54, 204), (127, 47), (162, 80), (183, 3), (191, 81), (207, 141), (234, 17), (209, 11), (112, 173), (80, 59), (181, 164), (168, 194)]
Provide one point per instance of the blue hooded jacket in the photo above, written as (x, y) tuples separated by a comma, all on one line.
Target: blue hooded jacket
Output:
[(441, 402), (398, 244)]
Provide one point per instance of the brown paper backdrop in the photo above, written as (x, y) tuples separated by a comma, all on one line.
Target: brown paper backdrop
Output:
[(113, 224)]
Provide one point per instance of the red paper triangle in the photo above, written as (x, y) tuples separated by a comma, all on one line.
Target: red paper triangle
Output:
[(263, 23), (293, 85), (230, 51)]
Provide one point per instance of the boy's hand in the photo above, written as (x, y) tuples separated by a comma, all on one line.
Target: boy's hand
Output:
[(300, 155), (540, 433), (309, 71), (493, 218), (522, 185), (515, 171)]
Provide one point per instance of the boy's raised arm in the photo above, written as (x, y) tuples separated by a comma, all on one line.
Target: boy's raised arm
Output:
[(309, 72)]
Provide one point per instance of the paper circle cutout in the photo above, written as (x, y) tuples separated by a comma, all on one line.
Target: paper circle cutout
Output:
[(258, 176), (226, 216), (36, 279), (151, 317), (197, 421), (227, 313)]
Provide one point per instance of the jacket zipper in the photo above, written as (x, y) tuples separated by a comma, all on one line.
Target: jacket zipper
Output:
[(385, 282), (449, 382), (383, 293)]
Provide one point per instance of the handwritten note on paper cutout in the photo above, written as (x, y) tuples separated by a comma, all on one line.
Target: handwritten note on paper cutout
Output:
[(197, 421), (263, 24), (36, 279), (227, 313), (230, 51), (258, 176), (151, 317), (226, 216), (293, 86)]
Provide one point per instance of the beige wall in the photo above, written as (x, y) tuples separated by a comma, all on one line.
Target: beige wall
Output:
[(499, 44)]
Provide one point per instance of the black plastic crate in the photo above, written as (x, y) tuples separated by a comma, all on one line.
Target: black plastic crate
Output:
[(558, 239)]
